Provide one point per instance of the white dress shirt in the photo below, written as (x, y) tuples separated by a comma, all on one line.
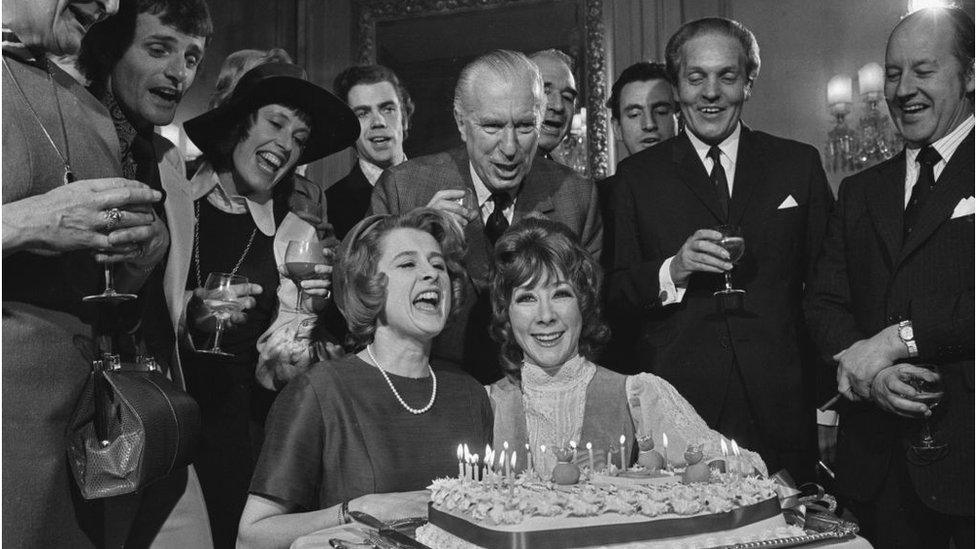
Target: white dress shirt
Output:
[(485, 203), (946, 147), (207, 182), (670, 293)]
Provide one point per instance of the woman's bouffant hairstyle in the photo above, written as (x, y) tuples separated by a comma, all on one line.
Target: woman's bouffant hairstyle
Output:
[(536, 250), (360, 290)]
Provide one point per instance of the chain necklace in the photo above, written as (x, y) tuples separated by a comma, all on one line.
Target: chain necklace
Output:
[(69, 176), (415, 411), (196, 243)]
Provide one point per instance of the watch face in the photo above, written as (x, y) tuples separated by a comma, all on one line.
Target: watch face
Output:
[(907, 333)]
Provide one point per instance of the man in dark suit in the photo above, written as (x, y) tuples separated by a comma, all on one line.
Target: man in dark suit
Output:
[(894, 290), (498, 105), (383, 107), (739, 364)]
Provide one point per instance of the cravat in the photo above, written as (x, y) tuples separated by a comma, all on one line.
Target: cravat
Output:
[(927, 158), (719, 180), (497, 223)]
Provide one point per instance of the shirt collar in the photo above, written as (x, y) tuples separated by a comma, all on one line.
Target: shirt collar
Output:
[(480, 189), (207, 183), (729, 146), (946, 146), (370, 170)]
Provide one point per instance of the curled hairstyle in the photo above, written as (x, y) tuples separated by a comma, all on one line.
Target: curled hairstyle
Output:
[(106, 42), (374, 74), (359, 287), (713, 25), (642, 71), (533, 251), (506, 66)]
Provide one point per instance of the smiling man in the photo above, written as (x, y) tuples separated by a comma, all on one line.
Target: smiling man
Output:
[(499, 105), (893, 298), (559, 85), (140, 64), (383, 106), (739, 364)]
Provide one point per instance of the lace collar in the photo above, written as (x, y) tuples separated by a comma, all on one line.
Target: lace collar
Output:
[(573, 373)]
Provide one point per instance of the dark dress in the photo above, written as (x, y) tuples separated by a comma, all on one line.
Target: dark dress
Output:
[(338, 432), (232, 403)]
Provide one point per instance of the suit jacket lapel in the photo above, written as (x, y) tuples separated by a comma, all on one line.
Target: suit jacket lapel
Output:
[(536, 192), (692, 173), (474, 232), (179, 218), (887, 204), (749, 173), (952, 182)]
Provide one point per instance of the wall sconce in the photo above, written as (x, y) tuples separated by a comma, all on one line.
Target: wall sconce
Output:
[(874, 139)]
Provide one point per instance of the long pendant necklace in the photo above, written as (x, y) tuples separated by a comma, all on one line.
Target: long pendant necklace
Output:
[(68, 176), (415, 411), (196, 244)]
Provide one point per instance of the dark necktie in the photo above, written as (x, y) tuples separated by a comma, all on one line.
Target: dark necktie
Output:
[(497, 223), (927, 159), (719, 179)]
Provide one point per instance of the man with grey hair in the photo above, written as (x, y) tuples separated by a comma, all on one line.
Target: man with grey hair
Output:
[(742, 359), (559, 85), (492, 181)]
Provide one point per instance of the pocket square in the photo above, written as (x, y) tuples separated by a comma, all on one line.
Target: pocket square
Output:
[(966, 206), (790, 202)]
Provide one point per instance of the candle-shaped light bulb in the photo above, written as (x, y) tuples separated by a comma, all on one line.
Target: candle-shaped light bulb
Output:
[(870, 79), (839, 90), (589, 451), (623, 460)]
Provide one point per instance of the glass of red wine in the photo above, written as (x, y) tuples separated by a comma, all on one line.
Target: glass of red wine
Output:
[(301, 257), (221, 291), (930, 389), (735, 245)]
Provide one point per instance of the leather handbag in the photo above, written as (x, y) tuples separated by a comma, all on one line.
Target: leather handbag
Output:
[(131, 427)]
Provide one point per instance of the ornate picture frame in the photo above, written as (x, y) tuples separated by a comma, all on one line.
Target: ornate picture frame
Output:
[(594, 71)]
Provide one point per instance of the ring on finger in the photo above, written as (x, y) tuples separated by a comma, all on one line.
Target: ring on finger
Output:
[(113, 218)]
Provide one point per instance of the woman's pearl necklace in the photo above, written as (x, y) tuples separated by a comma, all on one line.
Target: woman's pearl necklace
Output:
[(433, 394)]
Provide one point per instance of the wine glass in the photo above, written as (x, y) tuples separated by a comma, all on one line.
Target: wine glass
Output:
[(930, 389), (301, 257), (220, 296), (469, 202), (735, 245), (109, 294)]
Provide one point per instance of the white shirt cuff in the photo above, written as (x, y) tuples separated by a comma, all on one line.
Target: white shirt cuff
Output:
[(828, 418), (670, 293)]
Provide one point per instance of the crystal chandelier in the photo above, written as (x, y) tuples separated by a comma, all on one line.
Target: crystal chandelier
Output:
[(874, 139)]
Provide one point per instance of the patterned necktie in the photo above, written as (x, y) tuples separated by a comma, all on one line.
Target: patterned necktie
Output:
[(927, 158), (719, 179), (497, 223)]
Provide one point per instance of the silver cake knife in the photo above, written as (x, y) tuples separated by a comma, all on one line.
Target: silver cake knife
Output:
[(386, 532)]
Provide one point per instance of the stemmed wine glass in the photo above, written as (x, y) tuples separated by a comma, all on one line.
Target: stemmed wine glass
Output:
[(733, 243), (301, 257), (109, 294), (220, 296), (930, 392), (469, 202)]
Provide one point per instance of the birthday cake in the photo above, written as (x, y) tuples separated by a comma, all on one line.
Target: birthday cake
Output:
[(598, 512)]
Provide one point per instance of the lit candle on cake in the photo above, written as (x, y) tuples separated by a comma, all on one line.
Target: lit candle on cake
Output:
[(664, 439), (476, 471), (528, 456), (572, 445), (511, 480), (589, 450), (508, 465), (623, 460), (467, 462), (725, 456), (489, 461), (460, 456), (737, 455), (502, 462)]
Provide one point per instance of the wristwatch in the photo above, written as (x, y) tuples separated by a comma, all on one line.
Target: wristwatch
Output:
[(907, 335)]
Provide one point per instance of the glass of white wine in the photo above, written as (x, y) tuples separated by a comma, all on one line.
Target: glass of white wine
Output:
[(735, 245), (927, 445), (220, 296)]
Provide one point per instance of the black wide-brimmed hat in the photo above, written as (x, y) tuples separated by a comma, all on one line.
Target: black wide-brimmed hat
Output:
[(334, 126)]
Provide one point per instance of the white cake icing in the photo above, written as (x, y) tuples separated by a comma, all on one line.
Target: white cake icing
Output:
[(532, 505)]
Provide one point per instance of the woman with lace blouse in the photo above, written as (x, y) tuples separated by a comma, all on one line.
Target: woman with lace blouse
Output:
[(546, 316)]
